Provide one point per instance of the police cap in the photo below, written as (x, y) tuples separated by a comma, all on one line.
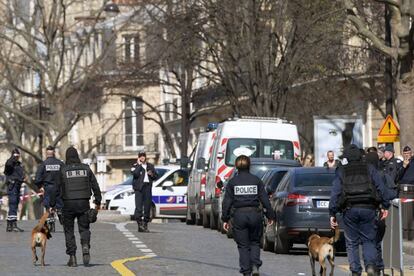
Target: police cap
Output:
[(389, 147), (406, 148)]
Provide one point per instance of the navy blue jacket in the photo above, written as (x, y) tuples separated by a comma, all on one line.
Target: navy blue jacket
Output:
[(376, 179), (245, 190), (48, 173), (13, 170), (408, 175)]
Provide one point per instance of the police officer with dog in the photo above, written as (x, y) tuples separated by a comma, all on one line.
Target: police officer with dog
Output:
[(47, 180), (358, 191), (14, 178), (77, 184), (245, 193)]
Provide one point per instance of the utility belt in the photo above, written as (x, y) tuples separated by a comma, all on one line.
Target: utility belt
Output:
[(12, 183), (363, 205), (249, 208)]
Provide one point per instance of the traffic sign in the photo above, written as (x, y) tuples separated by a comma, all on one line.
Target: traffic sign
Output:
[(389, 132)]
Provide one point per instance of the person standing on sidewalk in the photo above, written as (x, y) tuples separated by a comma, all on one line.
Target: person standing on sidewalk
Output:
[(143, 175), (245, 193), (14, 178)]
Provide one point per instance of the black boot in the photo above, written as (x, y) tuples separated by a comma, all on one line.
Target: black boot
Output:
[(145, 227), (255, 271), (371, 270), (86, 256), (9, 226), (140, 226), (15, 228), (72, 261)]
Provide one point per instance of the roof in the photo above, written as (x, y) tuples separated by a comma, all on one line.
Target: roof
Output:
[(310, 170)]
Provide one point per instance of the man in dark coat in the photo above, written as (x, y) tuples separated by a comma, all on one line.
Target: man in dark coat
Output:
[(143, 175)]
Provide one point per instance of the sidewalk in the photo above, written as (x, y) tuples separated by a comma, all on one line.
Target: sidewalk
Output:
[(408, 247)]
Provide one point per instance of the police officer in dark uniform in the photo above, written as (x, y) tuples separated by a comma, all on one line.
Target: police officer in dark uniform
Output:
[(77, 183), (47, 180), (143, 175), (244, 193), (391, 165), (358, 190), (14, 178)]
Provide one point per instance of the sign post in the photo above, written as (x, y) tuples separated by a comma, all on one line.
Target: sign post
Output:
[(389, 131)]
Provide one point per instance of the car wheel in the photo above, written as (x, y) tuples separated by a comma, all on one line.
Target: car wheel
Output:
[(281, 246), (190, 219), (213, 220), (206, 220)]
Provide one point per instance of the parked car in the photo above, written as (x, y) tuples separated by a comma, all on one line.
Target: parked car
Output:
[(168, 196), (255, 137), (263, 168), (124, 188), (301, 203), (197, 180)]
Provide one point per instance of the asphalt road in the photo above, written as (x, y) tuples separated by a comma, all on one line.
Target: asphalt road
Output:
[(170, 249)]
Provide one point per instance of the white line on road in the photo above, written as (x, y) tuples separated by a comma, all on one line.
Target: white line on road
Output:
[(138, 244), (146, 250)]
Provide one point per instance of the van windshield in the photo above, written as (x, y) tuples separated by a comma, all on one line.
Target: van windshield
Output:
[(258, 148)]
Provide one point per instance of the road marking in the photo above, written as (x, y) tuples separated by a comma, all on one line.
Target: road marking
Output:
[(146, 250), (140, 246), (133, 239), (136, 241), (119, 266)]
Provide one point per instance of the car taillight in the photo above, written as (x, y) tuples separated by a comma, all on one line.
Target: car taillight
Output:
[(217, 190), (203, 182), (296, 199)]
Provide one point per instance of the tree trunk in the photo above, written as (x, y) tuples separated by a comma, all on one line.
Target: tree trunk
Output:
[(61, 125), (404, 104)]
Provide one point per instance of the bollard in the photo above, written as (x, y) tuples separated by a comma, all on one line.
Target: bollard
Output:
[(407, 200)]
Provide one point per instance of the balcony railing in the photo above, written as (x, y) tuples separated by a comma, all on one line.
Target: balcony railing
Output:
[(121, 143)]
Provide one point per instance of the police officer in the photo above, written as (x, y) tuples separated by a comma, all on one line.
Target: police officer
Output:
[(244, 193), (143, 175), (14, 178), (77, 181), (408, 164), (47, 180), (391, 165), (357, 191)]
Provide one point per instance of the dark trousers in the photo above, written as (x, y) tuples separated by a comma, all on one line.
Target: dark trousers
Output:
[(247, 230), (49, 191), (143, 201), (13, 193), (380, 235), (76, 209), (360, 228)]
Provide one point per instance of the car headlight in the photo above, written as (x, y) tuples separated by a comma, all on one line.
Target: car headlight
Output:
[(124, 194)]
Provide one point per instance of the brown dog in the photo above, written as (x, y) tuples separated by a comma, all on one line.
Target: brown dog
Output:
[(40, 234), (321, 248)]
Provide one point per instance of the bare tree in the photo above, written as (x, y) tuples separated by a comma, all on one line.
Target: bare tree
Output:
[(401, 13)]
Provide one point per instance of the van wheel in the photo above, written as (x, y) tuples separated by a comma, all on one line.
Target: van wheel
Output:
[(206, 220), (281, 246), (190, 219), (213, 220)]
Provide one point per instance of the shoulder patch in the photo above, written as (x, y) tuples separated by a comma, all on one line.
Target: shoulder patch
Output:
[(245, 190)]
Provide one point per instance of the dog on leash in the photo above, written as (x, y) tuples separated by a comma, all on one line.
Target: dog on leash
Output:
[(40, 234), (321, 249)]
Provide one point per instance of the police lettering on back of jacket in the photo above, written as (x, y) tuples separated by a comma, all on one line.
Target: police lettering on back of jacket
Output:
[(244, 193)]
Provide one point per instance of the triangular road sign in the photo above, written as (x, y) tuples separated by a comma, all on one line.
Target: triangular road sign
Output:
[(389, 131)]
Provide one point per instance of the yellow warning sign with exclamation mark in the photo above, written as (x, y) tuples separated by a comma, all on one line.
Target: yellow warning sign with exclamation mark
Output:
[(389, 131)]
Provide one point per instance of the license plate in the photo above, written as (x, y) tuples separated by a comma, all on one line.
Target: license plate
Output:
[(322, 204)]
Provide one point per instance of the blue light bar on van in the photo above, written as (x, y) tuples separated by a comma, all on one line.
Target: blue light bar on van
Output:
[(212, 126)]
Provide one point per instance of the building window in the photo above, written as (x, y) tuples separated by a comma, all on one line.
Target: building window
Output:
[(131, 48), (133, 123)]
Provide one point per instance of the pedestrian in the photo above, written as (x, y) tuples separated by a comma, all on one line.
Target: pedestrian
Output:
[(391, 193), (331, 163), (357, 192), (143, 174), (77, 184), (391, 165), (14, 179), (244, 193), (408, 165), (47, 180)]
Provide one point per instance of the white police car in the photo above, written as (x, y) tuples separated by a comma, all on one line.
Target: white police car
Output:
[(169, 196)]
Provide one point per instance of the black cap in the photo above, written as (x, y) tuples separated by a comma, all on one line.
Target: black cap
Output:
[(50, 148), (16, 151), (72, 156), (389, 148), (352, 153), (142, 153), (406, 148)]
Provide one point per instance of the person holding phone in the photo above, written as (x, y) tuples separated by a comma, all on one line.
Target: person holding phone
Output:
[(143, 174), (408, 174)]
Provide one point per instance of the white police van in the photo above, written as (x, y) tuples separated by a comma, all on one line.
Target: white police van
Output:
[(169, 199)]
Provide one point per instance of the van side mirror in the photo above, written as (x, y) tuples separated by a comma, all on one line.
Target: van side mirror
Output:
[(167, 184), (201, 164), (220, 155)]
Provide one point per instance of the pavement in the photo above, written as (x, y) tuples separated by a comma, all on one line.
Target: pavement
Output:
[(408, 247), (172, 248)]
